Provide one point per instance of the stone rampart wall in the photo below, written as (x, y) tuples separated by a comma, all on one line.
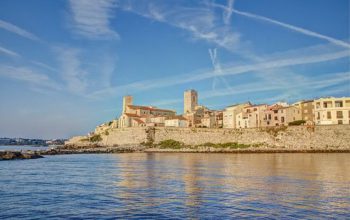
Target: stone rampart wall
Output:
[(296, 137)]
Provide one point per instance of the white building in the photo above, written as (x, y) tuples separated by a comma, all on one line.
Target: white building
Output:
[(332, 110), (230, 113)]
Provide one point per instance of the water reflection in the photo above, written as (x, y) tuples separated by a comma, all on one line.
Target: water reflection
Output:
[(259, 184), (177, 186)]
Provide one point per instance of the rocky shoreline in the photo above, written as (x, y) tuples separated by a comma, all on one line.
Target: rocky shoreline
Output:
[(95, 149), (18, 155)]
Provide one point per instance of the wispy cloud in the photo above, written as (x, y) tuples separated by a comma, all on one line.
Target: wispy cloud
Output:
[(28, 75), (17, 30), (285, 25), (45, 66), (310, 85), (284, 59), (91, 19), (71, 70), (9, 52), (202, 22)]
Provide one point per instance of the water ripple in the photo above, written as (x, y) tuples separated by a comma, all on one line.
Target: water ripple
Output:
[(177, 186)]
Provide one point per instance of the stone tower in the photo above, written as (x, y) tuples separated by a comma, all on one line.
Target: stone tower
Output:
[(190, 100), (127, 100)]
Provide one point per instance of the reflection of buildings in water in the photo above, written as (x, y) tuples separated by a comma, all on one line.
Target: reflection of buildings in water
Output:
[(191, 179), (299, 180)]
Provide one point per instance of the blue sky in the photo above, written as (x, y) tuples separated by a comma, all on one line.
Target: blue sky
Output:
[(65, 65)]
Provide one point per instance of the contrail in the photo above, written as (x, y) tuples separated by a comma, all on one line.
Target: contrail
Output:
[(294, 28), (228, 13), (17, 30), (217, 70)]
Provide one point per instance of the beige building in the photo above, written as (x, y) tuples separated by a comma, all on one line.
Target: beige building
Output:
[(242, 120), (332, 111), (208, 120), (307, 108), (251, 116), (277, 115), (176, 121), (230, 113), (137, 116), (190, 101)]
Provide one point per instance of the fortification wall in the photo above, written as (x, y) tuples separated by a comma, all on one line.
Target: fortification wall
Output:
[(291, 137), (294, 137)]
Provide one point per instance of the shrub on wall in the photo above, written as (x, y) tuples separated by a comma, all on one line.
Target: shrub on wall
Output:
[(96, 138), (299, 122), (170, 143)]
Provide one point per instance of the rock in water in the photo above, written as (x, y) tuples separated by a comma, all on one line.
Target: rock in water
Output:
[(12, 155)]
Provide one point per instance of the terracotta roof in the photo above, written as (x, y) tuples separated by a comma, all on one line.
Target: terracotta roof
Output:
[(149, 108), (131, 115), (275, 107), (138, 120)]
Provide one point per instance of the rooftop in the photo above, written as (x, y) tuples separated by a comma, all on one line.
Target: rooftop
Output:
[(149, 108)]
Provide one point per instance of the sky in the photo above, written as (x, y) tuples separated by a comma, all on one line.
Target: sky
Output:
[(66, 64)]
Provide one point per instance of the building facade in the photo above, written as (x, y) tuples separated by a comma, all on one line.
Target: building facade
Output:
[(251, 116), (277, 115), (230, 113), (332, 110), (176, 121), (307, 108)]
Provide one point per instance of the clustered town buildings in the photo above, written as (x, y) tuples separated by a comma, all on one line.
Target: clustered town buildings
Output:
[(323, 111)]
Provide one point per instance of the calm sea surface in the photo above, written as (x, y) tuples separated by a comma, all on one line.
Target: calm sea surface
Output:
[(177, 186)]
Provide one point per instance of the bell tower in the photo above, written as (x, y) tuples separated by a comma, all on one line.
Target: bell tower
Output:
[(127, 100)]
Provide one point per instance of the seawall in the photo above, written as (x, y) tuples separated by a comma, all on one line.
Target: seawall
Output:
[(293, 137)]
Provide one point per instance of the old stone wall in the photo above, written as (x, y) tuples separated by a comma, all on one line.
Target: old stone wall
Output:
[(290, 137), (296, 137)]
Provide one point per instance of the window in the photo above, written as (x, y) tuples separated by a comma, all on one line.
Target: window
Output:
[(327, 104), (276, 118), (340, 122), (318, 115), (338, 104), (318, 105), (269, 116), (349, 114), (329, 116), (339, 114), (282, 119)]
